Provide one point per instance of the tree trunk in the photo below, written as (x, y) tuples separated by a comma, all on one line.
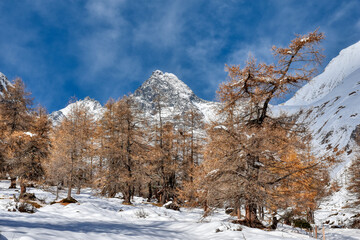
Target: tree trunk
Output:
[(238, 212), (57, 191), (133, 193), (274, 223), (127, 195), (261, 213), (91, 169), (22, 188), (69, 191), (250, 213), (150, 192), (310, 216), (205, 206), (70, 178), (12, 182)]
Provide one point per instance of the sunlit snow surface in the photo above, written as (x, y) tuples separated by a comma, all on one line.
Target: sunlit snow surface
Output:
[(97, 218), (335, 72)]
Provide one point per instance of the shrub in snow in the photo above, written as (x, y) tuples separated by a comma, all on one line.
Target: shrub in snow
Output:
[(355, 223), (28, 196), (68, 200), (171, 205), (288, 217), (229, 210), (21, 207), (25, 207), (228, 227), (141, 213), (302, 223)]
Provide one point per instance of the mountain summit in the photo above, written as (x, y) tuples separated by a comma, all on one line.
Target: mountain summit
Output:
[(175, 96), (93, 106), (165, 83)]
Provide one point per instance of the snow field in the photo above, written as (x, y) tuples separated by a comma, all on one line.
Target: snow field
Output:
[(96, 217)]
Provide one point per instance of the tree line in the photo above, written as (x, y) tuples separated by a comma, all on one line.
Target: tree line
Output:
[(248, 159)]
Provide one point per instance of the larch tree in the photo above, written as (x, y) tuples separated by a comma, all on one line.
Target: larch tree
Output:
[(191, 134), (71, 141), (123, 148), (247, 147), (163, 157), (354, 183), (190, 141), (36, 150), (15, 125)]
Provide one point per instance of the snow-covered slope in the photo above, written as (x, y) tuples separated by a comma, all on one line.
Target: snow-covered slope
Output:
[(175, 97), (329, 106), (92, 105), (337, 70)]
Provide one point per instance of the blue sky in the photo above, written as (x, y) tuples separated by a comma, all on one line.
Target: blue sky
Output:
[(107, 48)]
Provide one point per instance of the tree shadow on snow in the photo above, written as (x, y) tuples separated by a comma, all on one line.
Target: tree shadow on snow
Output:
[(156, 229), (337, 236), (3, 237)]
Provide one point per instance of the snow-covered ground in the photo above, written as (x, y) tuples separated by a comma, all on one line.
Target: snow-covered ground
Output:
[(97, 218)]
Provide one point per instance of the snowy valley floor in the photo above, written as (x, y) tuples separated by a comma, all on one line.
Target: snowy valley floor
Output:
[(103, 218)]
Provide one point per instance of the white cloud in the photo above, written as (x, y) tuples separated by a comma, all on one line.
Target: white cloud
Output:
[(164, 28), (108, 11)]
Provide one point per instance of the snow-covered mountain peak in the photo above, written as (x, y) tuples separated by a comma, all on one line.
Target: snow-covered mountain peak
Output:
[(92, 105), (334, 74), (176, 97), (160, 82)]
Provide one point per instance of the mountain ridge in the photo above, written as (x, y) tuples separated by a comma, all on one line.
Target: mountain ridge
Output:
[(346, 62)]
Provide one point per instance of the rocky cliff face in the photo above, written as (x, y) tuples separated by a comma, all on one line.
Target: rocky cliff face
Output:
[(4, 83)]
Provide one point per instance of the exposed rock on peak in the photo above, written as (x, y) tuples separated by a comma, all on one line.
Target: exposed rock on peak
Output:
[(176, 97), (165, 84), (4, 83)]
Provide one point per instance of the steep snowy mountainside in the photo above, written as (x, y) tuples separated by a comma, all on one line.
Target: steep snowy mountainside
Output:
[(335, 72), (92, 105), (4, 83), (329, 105), (175, 96)]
